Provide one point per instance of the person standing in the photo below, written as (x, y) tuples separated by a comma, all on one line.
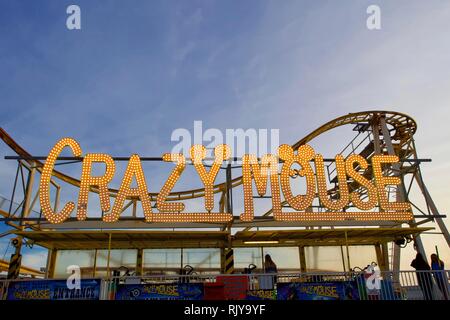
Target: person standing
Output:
[(423, 277), (437, 266), (268, 281), (269, 265)]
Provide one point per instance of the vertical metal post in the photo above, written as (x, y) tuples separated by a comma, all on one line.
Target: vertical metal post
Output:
[(385, 253), (348, 252), (28, 193), (16, 259), (262, 260), (222, 201), (95, 263), (376, 127), (377, 148), (47, 265), (376, 136), (33, 203), (229, 209), (401, 192), (58, 190), (382, 262), (229, 198), (343, 259), (182, 258), (301, 252), (139, 260), (222, 260), (134, 208), (50, 272), (108, 275)]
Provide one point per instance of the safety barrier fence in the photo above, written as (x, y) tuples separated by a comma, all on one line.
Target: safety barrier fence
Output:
[(402, 285)]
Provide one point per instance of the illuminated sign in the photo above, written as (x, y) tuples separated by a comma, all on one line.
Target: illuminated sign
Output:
[(312, 169)]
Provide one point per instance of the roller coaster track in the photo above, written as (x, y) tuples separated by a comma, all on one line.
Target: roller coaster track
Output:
[(402, 128)]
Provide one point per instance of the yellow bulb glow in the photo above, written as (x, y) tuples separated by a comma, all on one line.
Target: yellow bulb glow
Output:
[(198, 153), (250, 165), (101, 182), (171, 212), (343, 216), (44, 185), (339, 204), (211, 217), (304, 155), (355, 197), (134, 169), (353, 170), (161, 203), (382, 181)]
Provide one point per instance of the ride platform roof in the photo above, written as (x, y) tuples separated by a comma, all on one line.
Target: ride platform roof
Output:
[(126, 239)]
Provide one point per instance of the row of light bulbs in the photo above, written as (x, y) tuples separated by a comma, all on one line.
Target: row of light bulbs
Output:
[(252, 170)]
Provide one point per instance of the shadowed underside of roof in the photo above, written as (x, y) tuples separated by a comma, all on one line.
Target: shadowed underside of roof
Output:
[(126, 239)]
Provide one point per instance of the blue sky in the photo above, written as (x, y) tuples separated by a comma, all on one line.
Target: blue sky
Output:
[(138, 70)]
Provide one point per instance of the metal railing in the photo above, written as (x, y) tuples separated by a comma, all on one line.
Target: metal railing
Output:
[(411, 285)]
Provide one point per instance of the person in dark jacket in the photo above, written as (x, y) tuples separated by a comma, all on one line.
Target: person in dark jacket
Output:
[(269, 265), (424, 278), (437, 265)]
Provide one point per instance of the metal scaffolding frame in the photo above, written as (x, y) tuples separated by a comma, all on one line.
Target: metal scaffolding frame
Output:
[(382, 132)]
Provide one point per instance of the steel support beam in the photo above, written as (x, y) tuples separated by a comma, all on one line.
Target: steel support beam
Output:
[(301, 251), (51, 263), (433, 207), (139, 262), (376, 126), (24, 213), (400, 194)]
